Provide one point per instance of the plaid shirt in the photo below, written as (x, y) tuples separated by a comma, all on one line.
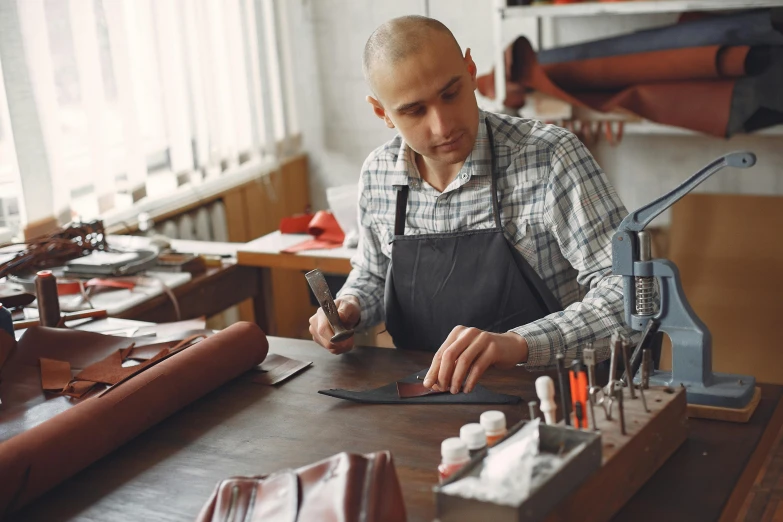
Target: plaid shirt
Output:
[(557, 209)]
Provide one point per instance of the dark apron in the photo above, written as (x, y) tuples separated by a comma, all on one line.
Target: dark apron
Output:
[(473, 278)]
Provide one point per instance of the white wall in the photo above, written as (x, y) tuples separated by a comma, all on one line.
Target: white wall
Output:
[(340, 129)]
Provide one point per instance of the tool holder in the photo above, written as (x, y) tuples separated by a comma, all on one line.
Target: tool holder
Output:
[(691, 340)]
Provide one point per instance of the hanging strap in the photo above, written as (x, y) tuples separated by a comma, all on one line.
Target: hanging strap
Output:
[(399, 213), (493, 175)]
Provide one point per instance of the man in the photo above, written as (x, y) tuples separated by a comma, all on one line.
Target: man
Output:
[(484, 238)]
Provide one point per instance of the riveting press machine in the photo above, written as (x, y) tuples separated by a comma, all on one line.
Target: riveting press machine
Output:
[(668, 310)]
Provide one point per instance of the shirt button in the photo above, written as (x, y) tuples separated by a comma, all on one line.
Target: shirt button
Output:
[(414, 183), (464, 176)]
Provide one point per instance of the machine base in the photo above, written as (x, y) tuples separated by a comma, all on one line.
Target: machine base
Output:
[(696, 411), (727, 390)]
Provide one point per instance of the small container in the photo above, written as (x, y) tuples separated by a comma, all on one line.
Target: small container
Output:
[(474, 437), (454, 455), (494, 424)]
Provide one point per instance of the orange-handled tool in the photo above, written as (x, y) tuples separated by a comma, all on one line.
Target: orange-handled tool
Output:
[(578, 380)]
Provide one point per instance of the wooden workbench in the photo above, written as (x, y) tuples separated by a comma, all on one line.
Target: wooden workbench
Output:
[(245, 428)]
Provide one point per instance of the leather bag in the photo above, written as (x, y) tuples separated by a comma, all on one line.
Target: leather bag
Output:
[(346, 487)]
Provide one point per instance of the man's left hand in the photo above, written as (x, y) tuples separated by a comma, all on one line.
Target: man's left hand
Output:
[(468, 352)]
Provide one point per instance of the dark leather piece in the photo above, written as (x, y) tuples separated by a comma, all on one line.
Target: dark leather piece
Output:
[(388, 395), (45, 439), (346, 487), (751, 28)]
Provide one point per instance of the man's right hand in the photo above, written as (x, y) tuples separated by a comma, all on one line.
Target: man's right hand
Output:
[(350, 313)]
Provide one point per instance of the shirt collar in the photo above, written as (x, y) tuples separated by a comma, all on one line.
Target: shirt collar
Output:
[(478, 162)]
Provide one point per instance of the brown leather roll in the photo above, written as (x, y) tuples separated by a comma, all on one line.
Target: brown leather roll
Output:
[(66, 439), (675, 65)]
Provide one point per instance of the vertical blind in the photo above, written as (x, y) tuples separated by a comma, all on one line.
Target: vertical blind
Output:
[(129, 99)]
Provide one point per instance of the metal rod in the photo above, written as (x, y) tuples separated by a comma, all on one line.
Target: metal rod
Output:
[(565, 395), (629, 376), (533, 407), (619, 396), (644, 400), (588, 354)]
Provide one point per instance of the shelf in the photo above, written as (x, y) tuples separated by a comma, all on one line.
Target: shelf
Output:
[(657, 129), (635, 7)]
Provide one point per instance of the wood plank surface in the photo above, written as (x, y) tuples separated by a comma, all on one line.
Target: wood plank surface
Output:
[(766, 493), (245, 428)]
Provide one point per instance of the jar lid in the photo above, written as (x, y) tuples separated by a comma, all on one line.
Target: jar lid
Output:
[(454, 450), (473, 436), (493, 420)]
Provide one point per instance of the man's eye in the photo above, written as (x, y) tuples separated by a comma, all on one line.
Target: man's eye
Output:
[(450, 95), (418, 111)]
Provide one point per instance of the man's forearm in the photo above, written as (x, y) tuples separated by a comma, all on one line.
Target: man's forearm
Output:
[(591, 320), (368, 290)]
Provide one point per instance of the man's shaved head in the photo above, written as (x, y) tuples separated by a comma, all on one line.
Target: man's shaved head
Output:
[(399, 38), (423, 86)]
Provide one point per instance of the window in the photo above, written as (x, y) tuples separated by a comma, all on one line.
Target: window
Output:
[(9, 173), (134, 98)]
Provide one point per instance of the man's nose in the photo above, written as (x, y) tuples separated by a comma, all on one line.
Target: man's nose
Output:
[(441, 123)]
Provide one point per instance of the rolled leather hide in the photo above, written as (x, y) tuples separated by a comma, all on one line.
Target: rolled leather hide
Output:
[(46, 439)]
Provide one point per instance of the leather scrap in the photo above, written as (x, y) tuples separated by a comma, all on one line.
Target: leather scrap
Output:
[(388, 394), (110, 369), (78, 389), (144, 353), (295, 224), (278, 368), (413, 389), (325, 231), (55, 375)]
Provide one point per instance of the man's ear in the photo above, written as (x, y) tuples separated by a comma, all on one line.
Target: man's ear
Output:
[(470, 64), (379, 111)]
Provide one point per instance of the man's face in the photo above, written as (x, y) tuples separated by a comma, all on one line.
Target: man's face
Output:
[(428, 97)]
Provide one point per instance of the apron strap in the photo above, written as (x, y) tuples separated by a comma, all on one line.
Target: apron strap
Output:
[(493, 176), (399, 213)]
